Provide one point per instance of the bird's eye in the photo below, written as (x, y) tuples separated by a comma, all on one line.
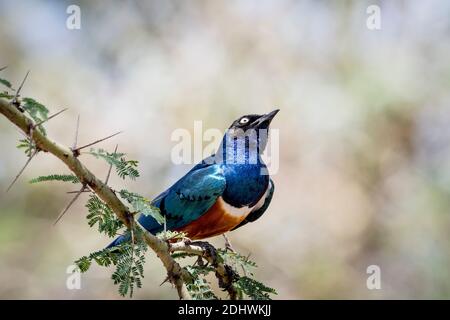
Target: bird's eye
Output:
[(244, 120)]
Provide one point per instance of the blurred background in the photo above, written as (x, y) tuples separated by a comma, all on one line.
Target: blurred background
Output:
[(364, 175)]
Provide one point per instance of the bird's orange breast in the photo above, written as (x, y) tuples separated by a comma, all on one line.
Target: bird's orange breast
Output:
[(217, 220)]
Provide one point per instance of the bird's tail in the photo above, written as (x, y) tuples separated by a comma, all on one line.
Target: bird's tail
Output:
[(119, 240)]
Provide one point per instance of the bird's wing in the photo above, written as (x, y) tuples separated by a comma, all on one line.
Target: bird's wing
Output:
[(189, 198), (258, 211)]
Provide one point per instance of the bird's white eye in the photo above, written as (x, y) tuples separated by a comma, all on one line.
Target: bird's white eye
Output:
[(243, 120)]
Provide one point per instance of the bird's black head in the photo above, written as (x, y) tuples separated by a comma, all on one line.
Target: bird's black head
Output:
[(247, 137), (254, 121)]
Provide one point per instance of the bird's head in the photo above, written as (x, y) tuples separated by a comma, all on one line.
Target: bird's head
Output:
[(248, 134), (254, 121)]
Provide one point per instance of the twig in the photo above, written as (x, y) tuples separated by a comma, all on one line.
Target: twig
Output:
[(52, 116), (69, 205), (75, 141), (30, 133), (228, 245), (107, 176), (166, 279), (76, 191), (95, 142), (132, 252), (23, 169), (20, 88), (110, 166), (242, 266), (3, 68)]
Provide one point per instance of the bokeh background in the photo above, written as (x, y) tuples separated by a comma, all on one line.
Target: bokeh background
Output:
[(364, 174)]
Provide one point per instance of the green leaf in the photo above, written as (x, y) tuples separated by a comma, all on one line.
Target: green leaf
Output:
[(83, 264), (129, 267), (128, 259), (104, 258), (171, 235), (142, 205), (103, 216), (145, 208), (6, 95), (198, 287), (37, 111), (124, 168), (237, 261), (27, 146), (6, 83), (182, 255), (56, 177), (254, 289)]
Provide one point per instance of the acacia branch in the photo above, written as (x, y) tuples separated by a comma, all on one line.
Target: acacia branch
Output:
[(224, 273), (163, 249), (103, 191)]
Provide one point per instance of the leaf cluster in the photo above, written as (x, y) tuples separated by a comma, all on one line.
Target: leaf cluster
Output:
[(124, 168), (103, 216), (128, 259), (142, 205), (56, 177)]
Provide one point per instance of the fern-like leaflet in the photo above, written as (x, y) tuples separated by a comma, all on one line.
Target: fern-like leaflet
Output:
[(128, 258), (253, 289), (56, 177), (198, 287), (124, 168), (37, 111), (101, 214), (142, 205)]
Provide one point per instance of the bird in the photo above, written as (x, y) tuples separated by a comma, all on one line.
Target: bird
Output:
[(221, 193)]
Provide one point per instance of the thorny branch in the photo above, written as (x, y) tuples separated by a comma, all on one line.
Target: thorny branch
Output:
[(69, 156), (103, 191)]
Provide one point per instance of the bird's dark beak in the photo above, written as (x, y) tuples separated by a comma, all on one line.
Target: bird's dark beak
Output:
[(271, 115), (264, 121)]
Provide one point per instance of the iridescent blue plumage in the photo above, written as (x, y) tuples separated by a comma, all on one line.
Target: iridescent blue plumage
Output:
[(188, 198), (235, 177)]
